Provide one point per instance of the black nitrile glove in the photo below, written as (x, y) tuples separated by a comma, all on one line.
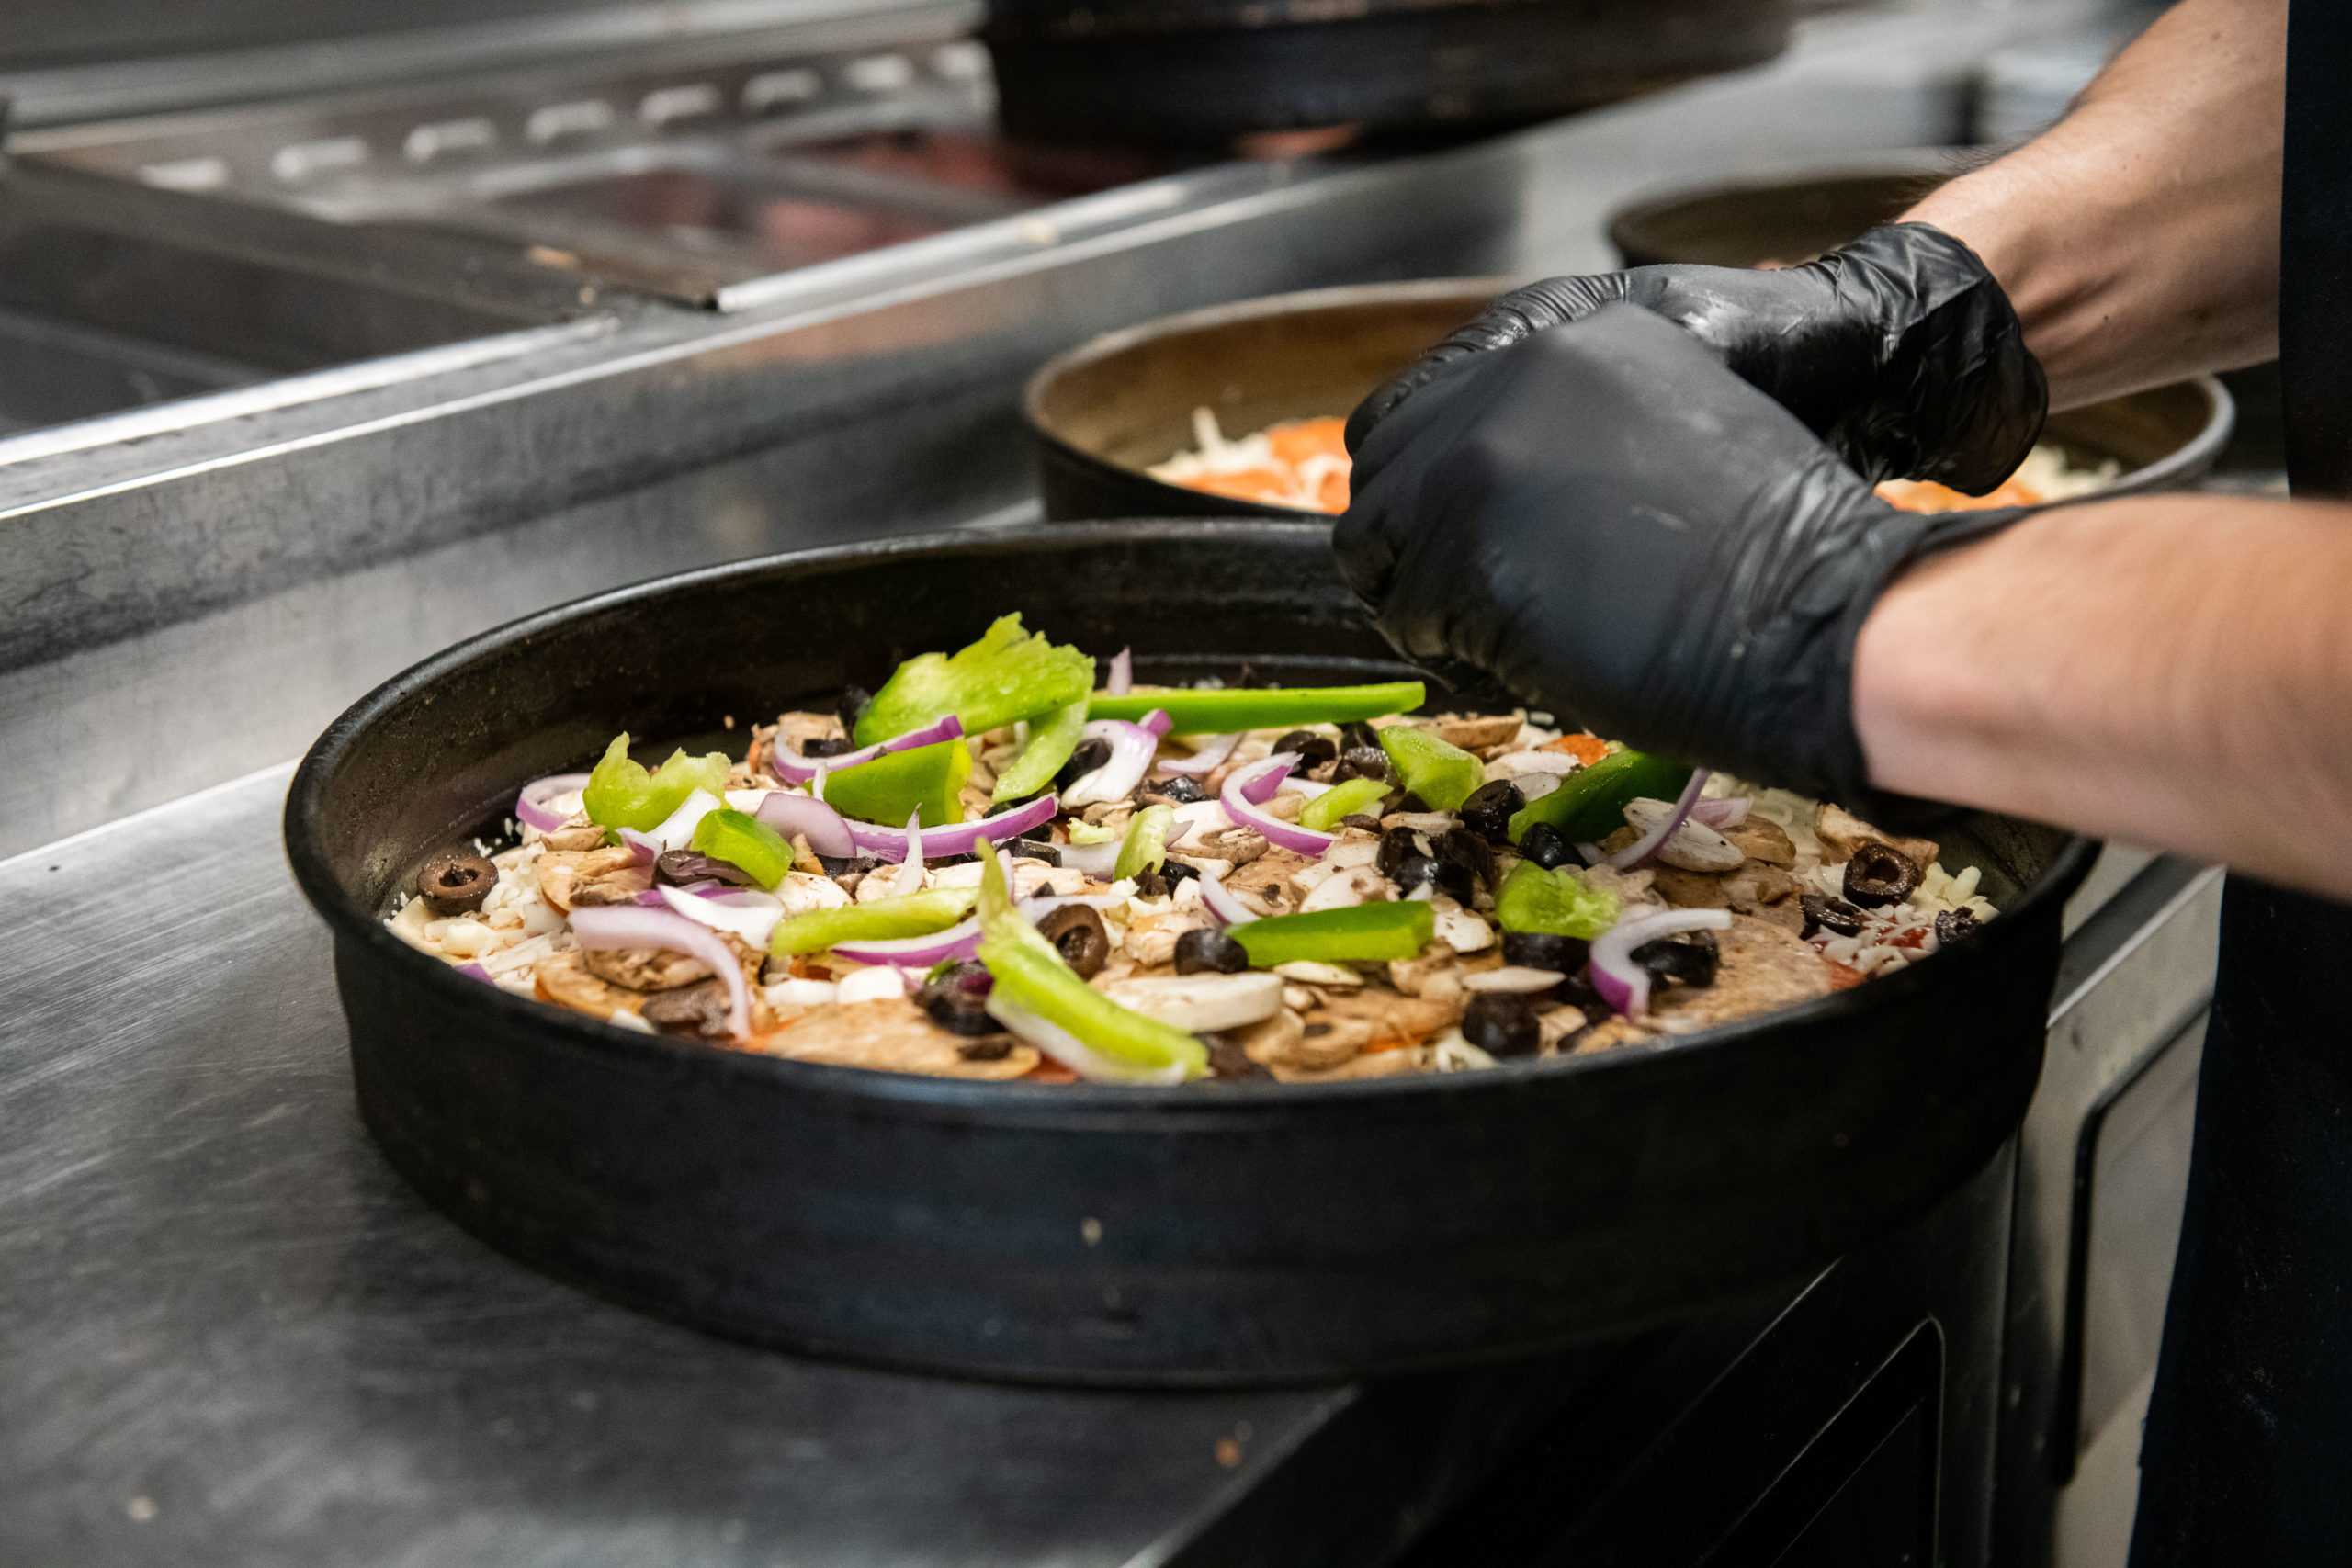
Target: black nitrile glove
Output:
[(1899, 350), (1611, 523)]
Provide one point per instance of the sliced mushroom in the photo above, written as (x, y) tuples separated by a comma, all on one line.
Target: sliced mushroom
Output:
[(564, 873), (1204, 1002), (1036, 877), (1465, 930), (563, 978), (1391, 1017), (700, 1012), (1150, 939), (1694, 846), (1264, 885), (1521, 765), (1761, 839), (798, 731), (1556, 1026), (645, 969), (1842, 834), (1400, 1062), (574, 838), (1272, 1040), (803, 892), (1437, 972), (889, 1036), (1235, 845), (1308, 972), (1288, 1042), (1479, 731), (1625, 886), (1766, 892), (1513, 979), (1345, 889)]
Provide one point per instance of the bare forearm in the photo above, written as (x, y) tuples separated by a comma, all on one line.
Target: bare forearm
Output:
[(2139, 238), (2174, 672)]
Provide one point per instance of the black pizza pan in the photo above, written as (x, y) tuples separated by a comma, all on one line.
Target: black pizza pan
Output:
[(1103, 413), (1209, 72), (1209, 1234)]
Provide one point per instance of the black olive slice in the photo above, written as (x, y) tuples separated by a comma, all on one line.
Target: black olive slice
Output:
[(1880, 874), (456, 885)]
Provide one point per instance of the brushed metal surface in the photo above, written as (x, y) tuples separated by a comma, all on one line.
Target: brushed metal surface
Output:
[(2137, 977), (230, 1335)]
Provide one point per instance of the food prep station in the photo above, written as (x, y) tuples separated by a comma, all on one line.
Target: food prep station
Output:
[(295, 390)]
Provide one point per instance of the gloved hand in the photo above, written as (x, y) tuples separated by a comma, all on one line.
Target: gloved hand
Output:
[(1620, 530), (1899, 350)]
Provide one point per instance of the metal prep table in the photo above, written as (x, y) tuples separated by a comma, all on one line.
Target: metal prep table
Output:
[(228, 1335)]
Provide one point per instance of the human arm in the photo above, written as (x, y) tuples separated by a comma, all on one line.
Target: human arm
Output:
[(2175, 671), (2138, 239), (1699, 576), (1903, 349)]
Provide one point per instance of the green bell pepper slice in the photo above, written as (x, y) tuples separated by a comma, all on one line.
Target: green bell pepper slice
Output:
[(909, 914), (1343, 799), (1009, 673), (1052, 740), (895, 786), (1557, 902), (1590, 805), (742, 841), (1146, 845), (1440, 772), (1032, 977), (1220, 712), (1368, 933), (622, 793)]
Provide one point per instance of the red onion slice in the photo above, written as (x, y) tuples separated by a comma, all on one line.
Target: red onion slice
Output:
[(1097, 861), (646, 851), (753, 921), (789, 813), (909, 877), (677, 830), (1157, 722), (1728, 812), (625, 925), (941, 843), (1073, 1052), (476, 971), (1038, 905), (531, 806), (793, 768), (1649, 843), (1132, 748), (1625, 985), (1121, 677), (1244, 787), (958, 941), (1207, 756), (1223, 906)]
